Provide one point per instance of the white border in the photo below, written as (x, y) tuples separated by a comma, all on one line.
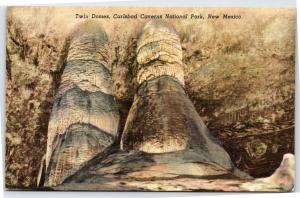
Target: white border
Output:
[(181, 3), (184, 3)]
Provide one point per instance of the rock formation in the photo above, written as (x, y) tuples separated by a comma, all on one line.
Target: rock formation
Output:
[(85, 118), (162, 118), (165, 146), (178, 171)]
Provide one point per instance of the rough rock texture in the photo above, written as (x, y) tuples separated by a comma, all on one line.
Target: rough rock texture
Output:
[(159, 52), (281, 180), (33, 65), (241, 80), (116, 170), (85, 117), (162, 118), (239, 75)]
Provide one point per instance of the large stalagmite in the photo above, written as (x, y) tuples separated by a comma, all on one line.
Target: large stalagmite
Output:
[(162, 117), (85, 118)]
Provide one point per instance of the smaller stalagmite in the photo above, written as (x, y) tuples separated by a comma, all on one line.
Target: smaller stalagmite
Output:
[(84, 118)]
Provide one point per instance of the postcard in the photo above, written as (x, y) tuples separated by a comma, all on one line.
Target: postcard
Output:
[(150, 99)]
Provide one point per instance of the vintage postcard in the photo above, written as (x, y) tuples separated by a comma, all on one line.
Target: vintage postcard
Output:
[(150, 99)]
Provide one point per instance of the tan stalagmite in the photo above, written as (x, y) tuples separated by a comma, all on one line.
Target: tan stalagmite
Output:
[(162, 118), (84, 118)]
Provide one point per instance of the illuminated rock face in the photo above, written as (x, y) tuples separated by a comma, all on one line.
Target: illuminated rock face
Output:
[(84, 118), (159, 53), (162, 118)]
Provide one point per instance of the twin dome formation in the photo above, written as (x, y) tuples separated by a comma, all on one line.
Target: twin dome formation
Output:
[(85, 116)]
